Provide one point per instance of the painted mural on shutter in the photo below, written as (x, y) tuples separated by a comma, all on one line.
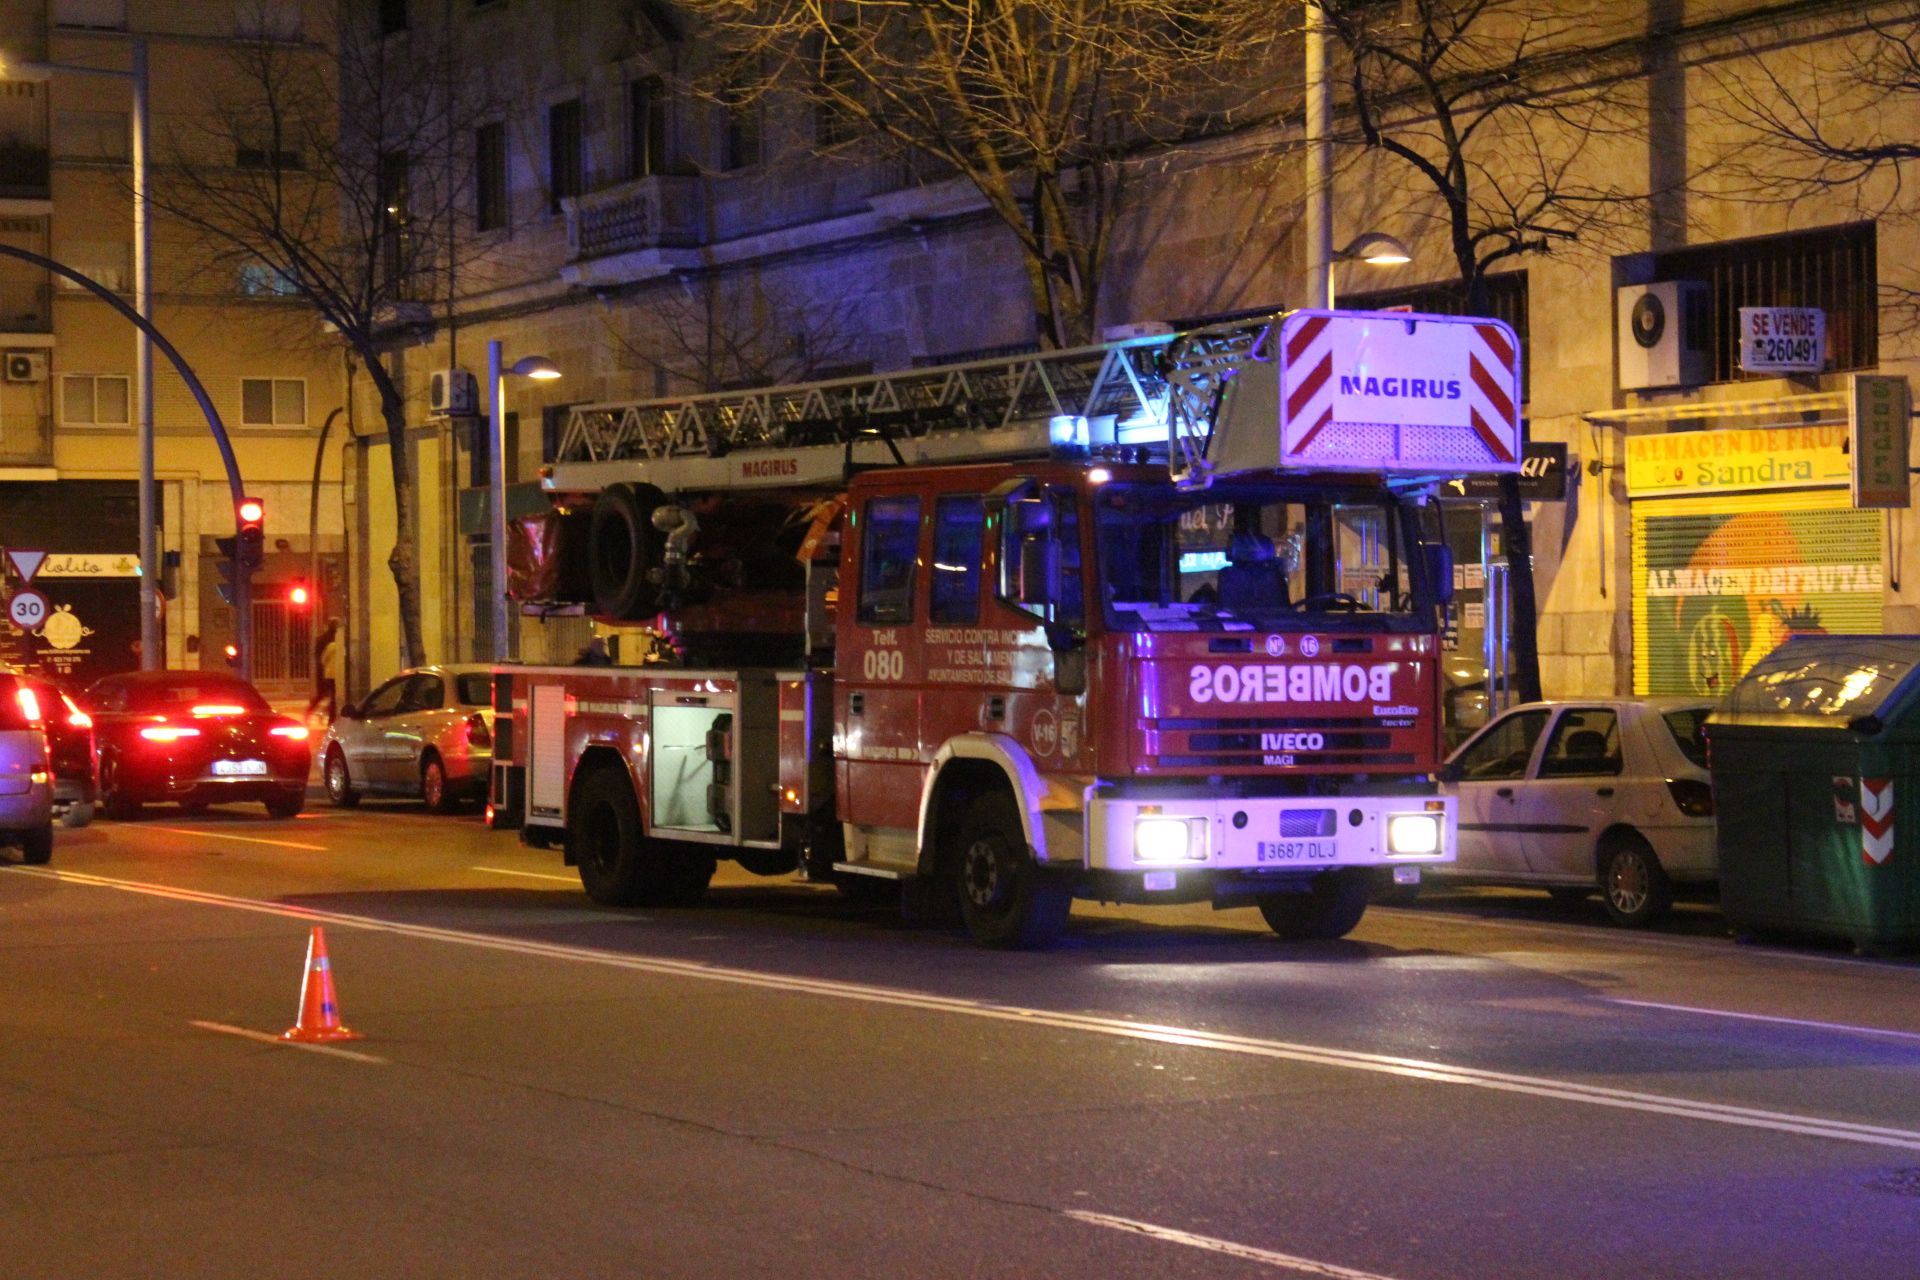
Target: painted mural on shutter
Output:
[(1719, 582)]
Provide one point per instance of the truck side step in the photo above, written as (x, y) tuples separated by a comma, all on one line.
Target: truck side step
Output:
[(867, 869)]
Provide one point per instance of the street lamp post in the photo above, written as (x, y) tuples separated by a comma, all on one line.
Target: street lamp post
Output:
[(1373, 248), (152, 643), (542, 369)]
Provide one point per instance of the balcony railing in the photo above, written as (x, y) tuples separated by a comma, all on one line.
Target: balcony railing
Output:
[(662, 212), (26, 440)]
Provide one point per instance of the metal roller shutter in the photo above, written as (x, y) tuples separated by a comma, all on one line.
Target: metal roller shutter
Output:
[(1720, 581)]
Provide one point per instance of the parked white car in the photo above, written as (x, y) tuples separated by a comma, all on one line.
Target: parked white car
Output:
[(426, 732), (1607, 793)]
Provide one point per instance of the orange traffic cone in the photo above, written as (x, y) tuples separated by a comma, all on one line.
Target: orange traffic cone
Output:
[(319, 1011)]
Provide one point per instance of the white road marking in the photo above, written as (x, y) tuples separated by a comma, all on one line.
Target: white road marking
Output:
[(1306, 1266), (247, 1033), (1248, 1046), (221, 835), (1847, 1027), (531, 875)]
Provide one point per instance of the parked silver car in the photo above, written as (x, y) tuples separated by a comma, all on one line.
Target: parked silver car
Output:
[(26, 772), (427, 732), (1606, 794)]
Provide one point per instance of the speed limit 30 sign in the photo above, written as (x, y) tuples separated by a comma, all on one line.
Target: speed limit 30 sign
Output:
[(27, 609)]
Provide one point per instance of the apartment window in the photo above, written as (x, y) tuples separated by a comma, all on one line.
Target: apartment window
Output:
[(106, 262), (834, 80), (740, 136), (394, 198), (646, 127), (490, 176), (393, 16), (566, 175), (267, 157), (273, 402), (92, 135), (258, 280), (1834, 268), (95, 399)]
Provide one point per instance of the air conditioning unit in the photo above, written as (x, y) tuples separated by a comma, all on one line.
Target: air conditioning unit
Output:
[(1664, 335), (26, 366), (450, 394)]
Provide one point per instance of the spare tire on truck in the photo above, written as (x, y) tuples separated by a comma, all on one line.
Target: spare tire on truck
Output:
[(623, 549)]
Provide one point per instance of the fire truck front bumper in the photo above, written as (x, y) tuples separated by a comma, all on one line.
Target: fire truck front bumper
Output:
[(1217, 846)]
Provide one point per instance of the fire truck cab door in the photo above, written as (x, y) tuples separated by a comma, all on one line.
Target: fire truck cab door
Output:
[(882, 666)]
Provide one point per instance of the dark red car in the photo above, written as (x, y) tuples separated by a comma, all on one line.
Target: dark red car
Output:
[(76, 773), (195, 738)]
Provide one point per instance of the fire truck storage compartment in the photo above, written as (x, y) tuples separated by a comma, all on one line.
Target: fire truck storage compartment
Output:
[(714, 761)]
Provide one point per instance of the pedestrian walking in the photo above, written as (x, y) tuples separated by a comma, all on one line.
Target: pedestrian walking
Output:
[(326, 670)]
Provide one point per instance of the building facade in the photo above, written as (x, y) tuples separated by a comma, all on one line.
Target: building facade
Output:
[(69, 447), (1692, 508)]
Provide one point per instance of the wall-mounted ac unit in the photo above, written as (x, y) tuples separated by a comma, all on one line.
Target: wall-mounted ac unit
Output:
[(26, 366), (1664, 335), (450, 394)]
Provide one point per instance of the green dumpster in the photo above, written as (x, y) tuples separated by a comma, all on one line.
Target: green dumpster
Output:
[(1815, 757)]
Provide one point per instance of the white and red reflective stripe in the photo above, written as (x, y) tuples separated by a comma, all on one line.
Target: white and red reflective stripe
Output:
[(1489, 393)]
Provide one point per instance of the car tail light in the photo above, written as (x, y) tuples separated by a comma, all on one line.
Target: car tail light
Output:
[(29, 705), (219, 709), (477, 732), (75, 716), (298, 732), (168, 732), (1694, 797)]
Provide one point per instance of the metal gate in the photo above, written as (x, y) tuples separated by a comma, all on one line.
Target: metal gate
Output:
[(282, 641)]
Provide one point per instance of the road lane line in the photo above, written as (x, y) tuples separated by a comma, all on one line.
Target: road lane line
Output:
[(1212, 1244), (247, 1033), (1848, 1027), (531, 875), (1186, 1037), (221, 835)]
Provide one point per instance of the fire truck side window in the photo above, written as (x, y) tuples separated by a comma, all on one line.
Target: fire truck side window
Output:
[(890, 544), (1040, 569), (959, 525)]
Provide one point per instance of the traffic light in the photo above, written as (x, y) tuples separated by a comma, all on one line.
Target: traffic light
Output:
[(229, 569), (298, 596), (253, 534), (232, 652)]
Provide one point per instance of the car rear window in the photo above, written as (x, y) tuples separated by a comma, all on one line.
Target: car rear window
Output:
[(163, 696), (1689, 730), (475, 689)]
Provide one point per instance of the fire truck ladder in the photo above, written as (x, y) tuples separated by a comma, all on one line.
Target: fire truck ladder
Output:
[(956, 411), (1201, 364)]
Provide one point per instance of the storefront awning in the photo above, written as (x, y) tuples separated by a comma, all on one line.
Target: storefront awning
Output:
[(1824, 406)]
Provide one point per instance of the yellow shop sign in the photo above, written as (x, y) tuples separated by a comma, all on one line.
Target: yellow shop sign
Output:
[(1748, 458)]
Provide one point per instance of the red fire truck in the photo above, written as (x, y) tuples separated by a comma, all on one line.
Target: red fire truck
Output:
[(1150, 622)]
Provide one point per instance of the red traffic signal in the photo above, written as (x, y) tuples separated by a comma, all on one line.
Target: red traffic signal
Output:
[(298, 594), (233, 654), (252, 537)]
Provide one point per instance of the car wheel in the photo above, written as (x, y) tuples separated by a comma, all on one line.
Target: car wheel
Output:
[(1330, 908), (433, 785), (340, 792), (36, 846), (288, 806), (78, 814), (113, 797), (1007, 900), (1632, 885), (195, 808)]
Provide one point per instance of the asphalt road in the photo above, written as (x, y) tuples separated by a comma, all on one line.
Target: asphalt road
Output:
[(784, 1083)]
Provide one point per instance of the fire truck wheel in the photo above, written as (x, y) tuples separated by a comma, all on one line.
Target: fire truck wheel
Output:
[(1006, 899), (1329, 909), (623, 550), (684, 874), (604, 840)]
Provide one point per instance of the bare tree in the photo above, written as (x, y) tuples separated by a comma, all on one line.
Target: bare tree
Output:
[(1831, 121), (333, 172), (710, 336), (1497, 107), (1037, 103)]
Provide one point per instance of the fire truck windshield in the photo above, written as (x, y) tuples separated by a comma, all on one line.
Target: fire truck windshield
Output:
[(1257, 557)]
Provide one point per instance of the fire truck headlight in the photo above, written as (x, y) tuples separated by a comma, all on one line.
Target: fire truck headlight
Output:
[(1413, 833), (1160, 840)]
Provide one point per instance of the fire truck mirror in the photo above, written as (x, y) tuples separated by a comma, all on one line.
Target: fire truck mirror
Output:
[(1039, 570), (1069, 647), (1440, 571)]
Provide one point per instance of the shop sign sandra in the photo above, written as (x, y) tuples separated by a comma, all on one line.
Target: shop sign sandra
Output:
[(1730, 461)]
